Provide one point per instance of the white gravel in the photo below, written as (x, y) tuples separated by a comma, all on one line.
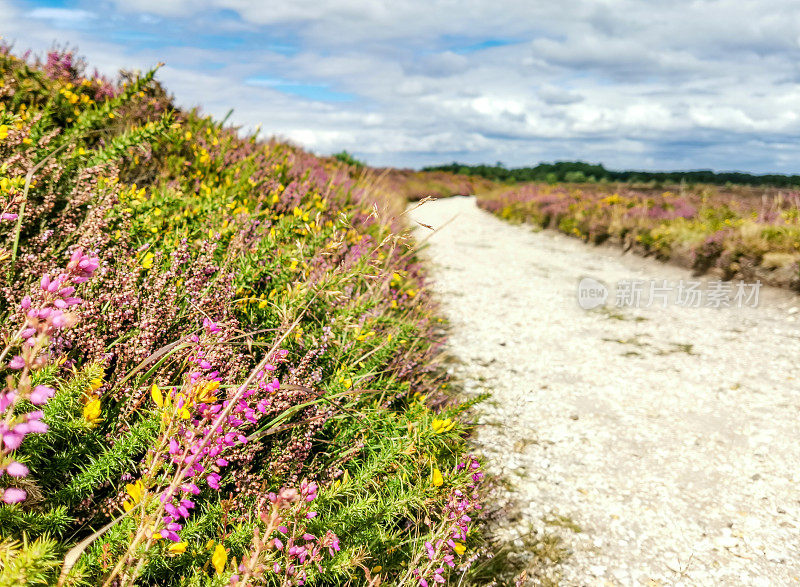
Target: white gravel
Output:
[(680, 464)]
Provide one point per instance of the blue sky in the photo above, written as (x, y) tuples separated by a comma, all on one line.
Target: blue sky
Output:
[(684, 84)]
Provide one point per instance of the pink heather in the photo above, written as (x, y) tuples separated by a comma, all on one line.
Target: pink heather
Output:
[(40, 395), (16, 469), (14, 495)]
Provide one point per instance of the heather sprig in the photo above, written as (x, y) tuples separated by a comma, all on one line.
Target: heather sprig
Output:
[(43, 315)]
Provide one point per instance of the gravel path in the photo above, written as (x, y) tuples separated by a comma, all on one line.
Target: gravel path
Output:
[(660, 444)]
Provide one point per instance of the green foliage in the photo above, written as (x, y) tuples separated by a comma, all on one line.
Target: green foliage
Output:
[(348, 159), (28, 563), (579, 172)]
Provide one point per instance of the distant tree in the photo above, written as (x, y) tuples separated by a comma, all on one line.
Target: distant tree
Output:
[(347, 158), (581, 171), (574, 177)]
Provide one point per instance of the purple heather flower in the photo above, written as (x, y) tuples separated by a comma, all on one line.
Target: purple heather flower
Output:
[(12, 439), (210, 326), (16, 469), (40, 394), (14, 495)]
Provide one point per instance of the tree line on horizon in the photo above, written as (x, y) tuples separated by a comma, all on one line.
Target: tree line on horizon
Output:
[(581, 172)]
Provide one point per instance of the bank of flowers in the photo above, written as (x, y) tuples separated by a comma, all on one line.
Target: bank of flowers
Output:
[(219, 355), (744, 233)]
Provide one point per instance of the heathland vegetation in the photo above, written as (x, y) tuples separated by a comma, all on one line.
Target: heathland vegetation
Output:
[(219, 355), (745, 233)]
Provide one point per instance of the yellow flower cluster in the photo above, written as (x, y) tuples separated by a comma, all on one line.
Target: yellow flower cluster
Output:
[(147, 260), (91, 412), (135, 491), (92, 408), (74, 98), (219, 558), (203, 392), (612, 199), (440, 426), (11, 184), (365, 336)]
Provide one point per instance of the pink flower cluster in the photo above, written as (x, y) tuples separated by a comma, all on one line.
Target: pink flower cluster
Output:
[(297, 549), (41, 321), (456, 517), (198, 448)]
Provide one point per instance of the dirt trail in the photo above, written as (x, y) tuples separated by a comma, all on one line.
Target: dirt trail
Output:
[(670, 436)]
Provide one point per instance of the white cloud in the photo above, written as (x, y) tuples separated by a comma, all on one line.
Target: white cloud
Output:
[(689, 83), (62, 17)]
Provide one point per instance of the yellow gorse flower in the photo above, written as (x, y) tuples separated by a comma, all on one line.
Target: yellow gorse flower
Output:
[(437, 479), (3, 131), (178, 547), (147, 260), (91, 412), (135, 491), (157, 396), (183, 412), (459, 548), (365, 336), (219, 558), (440, 426), (204, 392)]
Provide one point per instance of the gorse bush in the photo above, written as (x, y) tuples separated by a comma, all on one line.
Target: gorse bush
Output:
[(219, 355), (736, 233)]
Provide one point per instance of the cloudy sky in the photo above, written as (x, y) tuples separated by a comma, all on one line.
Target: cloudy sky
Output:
[(631, 83)]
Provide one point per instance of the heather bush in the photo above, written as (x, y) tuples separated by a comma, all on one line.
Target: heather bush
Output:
[(740, 234), (220, 355)]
